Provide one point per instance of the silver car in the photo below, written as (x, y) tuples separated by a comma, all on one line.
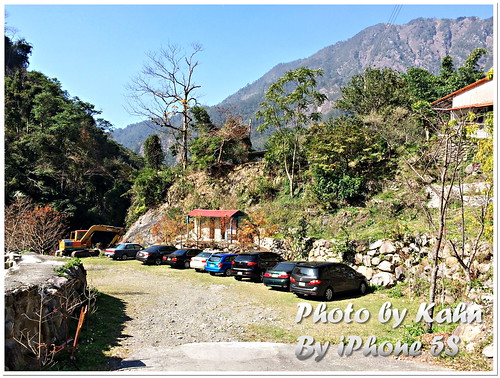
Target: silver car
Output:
[(200, 260)]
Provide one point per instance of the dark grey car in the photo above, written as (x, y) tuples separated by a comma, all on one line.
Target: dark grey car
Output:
[(324, 279)]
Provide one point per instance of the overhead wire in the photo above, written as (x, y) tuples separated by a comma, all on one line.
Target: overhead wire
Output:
[(385, 33)]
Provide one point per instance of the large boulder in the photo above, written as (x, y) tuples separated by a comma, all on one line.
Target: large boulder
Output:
[(384, 279)]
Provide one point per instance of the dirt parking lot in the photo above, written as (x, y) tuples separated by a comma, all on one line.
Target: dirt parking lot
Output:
[(167, 308)]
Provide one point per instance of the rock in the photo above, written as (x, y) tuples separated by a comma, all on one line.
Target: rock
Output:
[(376, 245), (383, 279), (387, 247), (385, 266), (361, 248), (489, 351), (400, 272), (451, 261), (367, 261), (483, 268), (372, 252), (396, 260), (358, 258), (468, 332), (367, 272), (375, 261)]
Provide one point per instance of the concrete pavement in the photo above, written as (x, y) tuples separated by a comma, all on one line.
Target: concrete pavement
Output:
[(256, 356)]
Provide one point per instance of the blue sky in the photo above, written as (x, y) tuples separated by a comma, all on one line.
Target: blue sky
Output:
[(95, 50)]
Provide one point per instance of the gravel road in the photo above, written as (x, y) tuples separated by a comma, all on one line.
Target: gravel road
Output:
[(166, 309), (169, 311)]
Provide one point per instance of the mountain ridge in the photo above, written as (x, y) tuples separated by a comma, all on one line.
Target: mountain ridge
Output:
[(421, 43)]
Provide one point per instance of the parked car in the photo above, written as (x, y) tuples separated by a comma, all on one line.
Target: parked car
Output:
[(220, 263), (123, 251), (181, 257), (200, 260), (279, 275), (323, 279), (154, 254), (253, 264)]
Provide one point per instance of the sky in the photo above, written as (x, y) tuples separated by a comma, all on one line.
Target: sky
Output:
[(96, 50)]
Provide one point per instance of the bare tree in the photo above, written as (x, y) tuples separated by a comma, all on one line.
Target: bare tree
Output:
[(441, 169), (31, 227), (165, 91)]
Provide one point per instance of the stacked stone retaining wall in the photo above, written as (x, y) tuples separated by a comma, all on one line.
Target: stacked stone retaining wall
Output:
[(37, 305)]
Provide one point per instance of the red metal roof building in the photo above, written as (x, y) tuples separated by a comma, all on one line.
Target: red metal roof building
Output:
[(215, 225)]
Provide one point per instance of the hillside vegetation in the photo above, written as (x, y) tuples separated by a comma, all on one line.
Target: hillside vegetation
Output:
[(421, 43)]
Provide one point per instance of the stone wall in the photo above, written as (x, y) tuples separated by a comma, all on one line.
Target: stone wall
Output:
[(37, 302), (387, 262)]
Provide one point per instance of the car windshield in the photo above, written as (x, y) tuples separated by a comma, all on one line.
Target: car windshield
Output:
[(203, 254), (152, 249), (246, 258), (215, 258), (304, 271), (121, 246), (180, 252), (284, 266)]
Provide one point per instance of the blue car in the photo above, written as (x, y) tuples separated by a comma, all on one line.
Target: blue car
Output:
[(220, 263)]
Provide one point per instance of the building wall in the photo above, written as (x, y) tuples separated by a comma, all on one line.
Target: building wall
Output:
[(481, 94)]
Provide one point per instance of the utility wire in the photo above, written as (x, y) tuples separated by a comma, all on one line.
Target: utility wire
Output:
[(385, 33)]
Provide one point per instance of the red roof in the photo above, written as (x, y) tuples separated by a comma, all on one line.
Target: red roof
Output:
[(214, 213), (470, 86)]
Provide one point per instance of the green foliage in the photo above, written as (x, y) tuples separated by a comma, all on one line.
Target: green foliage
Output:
[(287, 108), (343, 159), (228, 144), (412, 332), (62, 270), (150, 186), (58, 152), (153, 152)]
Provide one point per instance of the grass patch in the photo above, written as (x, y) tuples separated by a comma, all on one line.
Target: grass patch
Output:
[(100, 332)]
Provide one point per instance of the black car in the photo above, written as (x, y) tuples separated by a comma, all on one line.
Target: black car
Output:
[(279, 275), (154, 254), (323, 279), (253, 265), (123, 251), (181, 258)]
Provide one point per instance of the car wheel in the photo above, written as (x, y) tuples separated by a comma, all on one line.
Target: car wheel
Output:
[(212, 273), (124, 256), (363, 288), (158, 261), (186, 264), (328, 294), (237, 278), (227, 272)]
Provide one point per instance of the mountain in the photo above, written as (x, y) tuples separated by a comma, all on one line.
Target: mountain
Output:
[(421, 43)]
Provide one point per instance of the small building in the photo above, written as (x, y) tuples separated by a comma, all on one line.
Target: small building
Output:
[(476, 98), (215, 225)]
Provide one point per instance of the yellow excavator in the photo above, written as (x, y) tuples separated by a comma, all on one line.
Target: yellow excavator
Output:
[(79, 243)]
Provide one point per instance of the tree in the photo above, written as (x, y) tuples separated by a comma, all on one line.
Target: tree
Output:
[(32, 227), (441, 167), (345, 160), (255, 226), (58, 151), (229, 143), (16, 55), (291, 103), (165, 91), (153, 152), (167, 229)]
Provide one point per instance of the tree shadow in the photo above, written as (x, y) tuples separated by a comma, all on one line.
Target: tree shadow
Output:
[(101, 331)]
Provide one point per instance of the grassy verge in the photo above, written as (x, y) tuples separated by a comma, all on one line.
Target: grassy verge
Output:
[(100, 332)]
